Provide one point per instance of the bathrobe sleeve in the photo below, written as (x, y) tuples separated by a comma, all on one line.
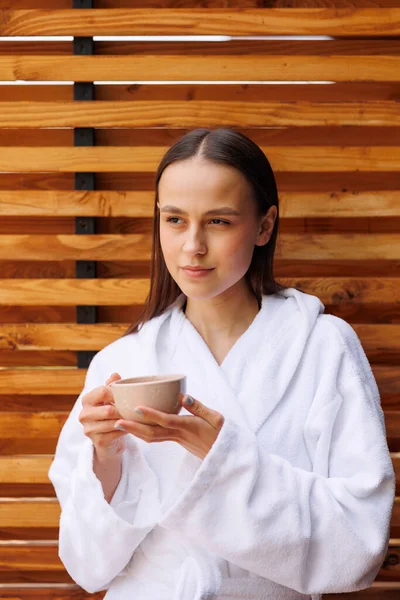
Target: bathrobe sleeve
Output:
[(312, 532), (97, 539)]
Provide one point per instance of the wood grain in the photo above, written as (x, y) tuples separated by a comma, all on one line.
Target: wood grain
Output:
[(70, 292), (198, 114), (275, 92), (302, 246), (62, 591), (113, 204), (34, 469), (31, 336), (36, 358), (343, 68), (70, 381), (287, 181), (349, 135), (38, 381), (44, 557), (25, 469), (46, 513), (32, 425), (126, 292), (202, 21), (140, 204), (71, 336), (29, 513), (230, 4), (146, 159), (249, 45), (75, 247)]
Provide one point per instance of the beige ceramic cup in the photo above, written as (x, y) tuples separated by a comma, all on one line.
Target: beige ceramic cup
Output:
[(156, 391)]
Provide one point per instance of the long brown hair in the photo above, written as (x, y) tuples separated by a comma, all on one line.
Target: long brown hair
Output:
[(228, 147)]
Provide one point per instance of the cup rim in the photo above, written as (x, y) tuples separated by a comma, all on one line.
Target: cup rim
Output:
[(130, 381)]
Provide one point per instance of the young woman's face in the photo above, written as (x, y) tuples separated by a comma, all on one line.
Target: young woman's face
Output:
[(221, 241)]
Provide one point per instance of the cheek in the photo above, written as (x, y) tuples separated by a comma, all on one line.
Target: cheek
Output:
[(168, 242), (237, 250)]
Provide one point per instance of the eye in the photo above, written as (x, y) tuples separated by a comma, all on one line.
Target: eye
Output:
[(174, 219), (221, 221), (170, 220)]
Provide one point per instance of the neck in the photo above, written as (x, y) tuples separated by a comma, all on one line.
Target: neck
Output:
[(226, 315)]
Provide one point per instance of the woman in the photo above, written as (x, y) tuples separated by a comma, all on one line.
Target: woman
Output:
[(275, 482)]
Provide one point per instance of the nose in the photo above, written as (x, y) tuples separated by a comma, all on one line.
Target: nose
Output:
[(195, 242)]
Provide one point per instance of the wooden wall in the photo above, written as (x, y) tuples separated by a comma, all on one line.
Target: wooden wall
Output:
[(335, 149)]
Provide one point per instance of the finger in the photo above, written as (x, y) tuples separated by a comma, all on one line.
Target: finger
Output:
[(113, 377), (100, 413), (151, 416), (198, 409), (147, 433), (101, 427), (99, 396)]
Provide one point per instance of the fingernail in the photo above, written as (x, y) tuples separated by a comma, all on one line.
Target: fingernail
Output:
[(138, 411), (188, 401), (116, 426)]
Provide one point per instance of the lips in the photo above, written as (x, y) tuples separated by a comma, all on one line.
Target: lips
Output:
[(196, 273), (196, 269)]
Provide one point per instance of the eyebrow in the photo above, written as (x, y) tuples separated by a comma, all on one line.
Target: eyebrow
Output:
[(223, 210)]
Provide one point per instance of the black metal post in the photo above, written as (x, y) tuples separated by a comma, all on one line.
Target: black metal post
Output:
[(85, 136)]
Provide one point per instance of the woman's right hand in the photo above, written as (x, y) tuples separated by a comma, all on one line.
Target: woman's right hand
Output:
[(98, 416)]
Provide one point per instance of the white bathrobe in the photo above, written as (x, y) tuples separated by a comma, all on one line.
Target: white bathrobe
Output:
[(294, 498)]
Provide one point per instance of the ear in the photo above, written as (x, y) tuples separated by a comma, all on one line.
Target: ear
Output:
[(266, 226)]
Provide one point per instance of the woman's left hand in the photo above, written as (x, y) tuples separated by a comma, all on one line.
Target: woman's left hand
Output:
[(196, 433)]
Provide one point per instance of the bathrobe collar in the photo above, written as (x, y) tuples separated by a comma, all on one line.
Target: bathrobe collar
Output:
[(262, 361)]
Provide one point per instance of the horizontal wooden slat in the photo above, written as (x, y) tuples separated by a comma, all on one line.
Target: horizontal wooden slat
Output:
[(349, 135), (201, 68), (66, 336), (29, 513), (241, 4), (69, 292), (384, 203), (59, 591), (123, 204), (33, 425), (25, 469), (70, 381), (38, 381), (248, 45), (293, 181), (146, 159), (194, 4), (337, 204), (373, 246), (234, 45), (325, 247), (34, 469), (37, 358), (72, 336), (47, 426), (123, 292), (75, 247), (29, 558), (44, 557), (197, 114), (274, 92), (45, 513), (140, 269), (203, 21)]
